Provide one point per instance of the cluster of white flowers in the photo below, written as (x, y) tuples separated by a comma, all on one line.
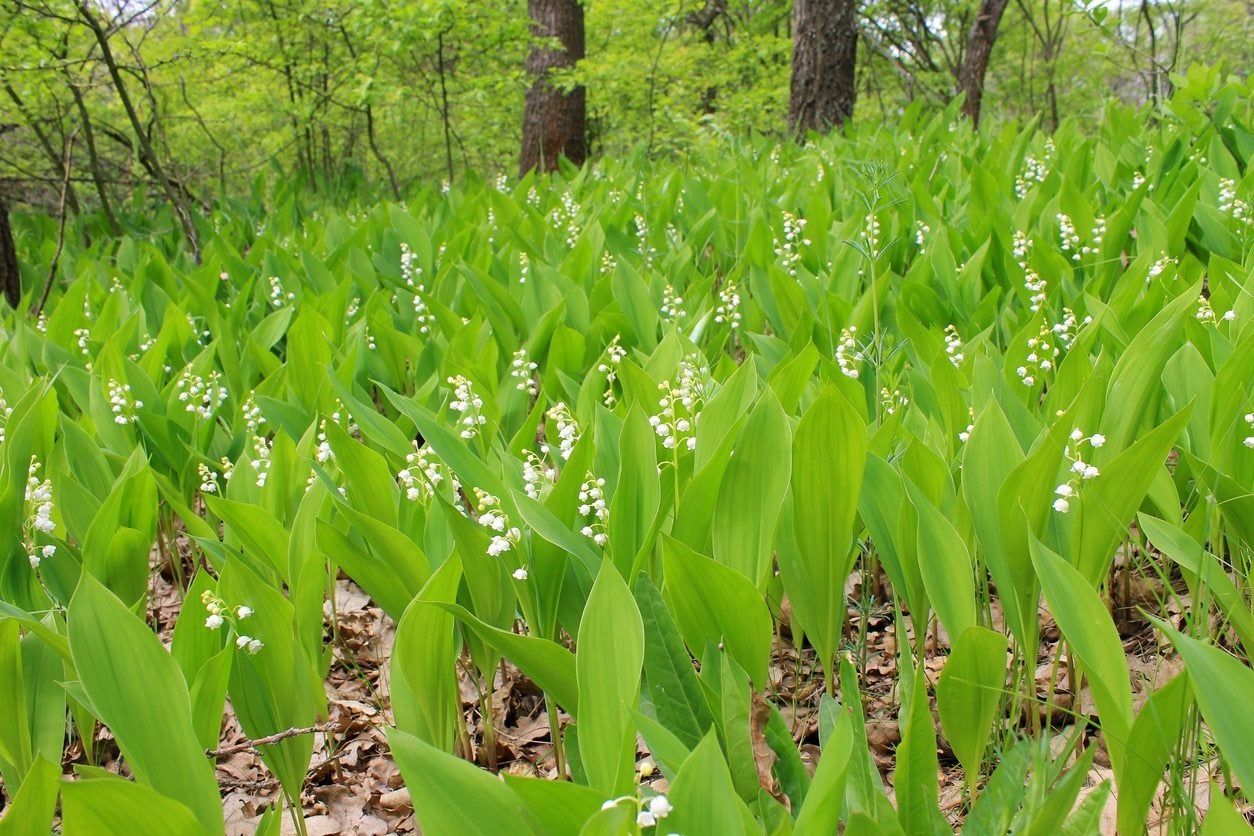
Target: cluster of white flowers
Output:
[(871, 232), (524, 265), (5, 412), (504, 536), (788, 250), (608, 263), (1206, 314), (1157, 268), (38, 516), (567, 216), (1042, 357), (614, 354), (647, 252), (1067, 330), (121, 403), (593, 510), (892, 401), (1138, 180), (253, 418), (354, 307), (1229, 203), (201, 396), (411, 272), (324, 453), (1080, 471), (278, 296), (1249, 423), (953, 345), (649, 813), (728, 309), (538, 476), (921, 231), (208, 478), (420, 459), (523, 370), (1032, 282), (965, 435), (1068, 238), (502, 183), (672, 303), (1095, 238), (371, 345), (261, 462), (567, 430), (680, 407), (848, 355), (468, 404), (220, 614), (533, 197), (1034, 171)]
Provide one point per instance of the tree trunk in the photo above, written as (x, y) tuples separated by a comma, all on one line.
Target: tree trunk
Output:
[(10, 278), (824, 57), (979, 49), (555, 123)]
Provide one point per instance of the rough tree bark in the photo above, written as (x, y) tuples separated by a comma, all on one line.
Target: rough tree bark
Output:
[(824, 57), (555, 123), (979, 47), (10, 278)]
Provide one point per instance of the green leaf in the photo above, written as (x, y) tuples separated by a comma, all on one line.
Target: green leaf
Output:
[(1088, 629), (1222, 687), (715, 604), (425, 697), (608, 662), (637, 493), (113, 806), (752, 492), (137, 690), (676, 694), (702, 796), (945, 566), (828, 457), (33, 804), (969, 693), (453, 796)]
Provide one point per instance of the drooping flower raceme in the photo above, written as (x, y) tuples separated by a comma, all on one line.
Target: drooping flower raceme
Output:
[(201, 396), (1042, 357), (848, 355), (468, 404), (37, 518), (679, 407), (504, 536), (1079, 470), (122, 403), (953, 346), (593, 510), (728, 310), (1206, 314), (220, 614), (567, 430), (421, 461), (523, 370)]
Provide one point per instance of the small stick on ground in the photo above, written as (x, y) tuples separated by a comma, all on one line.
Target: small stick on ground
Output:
[(277, 737)]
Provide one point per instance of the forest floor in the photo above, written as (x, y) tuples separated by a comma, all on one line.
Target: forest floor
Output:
[(353, 786)]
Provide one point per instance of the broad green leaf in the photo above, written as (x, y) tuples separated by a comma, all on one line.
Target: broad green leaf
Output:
[(828, 456), (453, 796), (969, 693), (137, 690), (607, 663), (713, 603)]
